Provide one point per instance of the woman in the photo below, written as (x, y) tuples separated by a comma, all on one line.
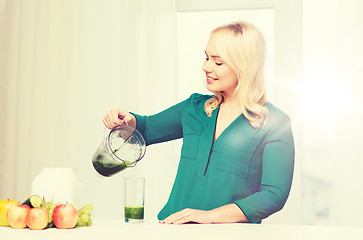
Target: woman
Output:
[(237, 157)]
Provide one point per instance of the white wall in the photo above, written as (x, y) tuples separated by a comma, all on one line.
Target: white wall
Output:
[(332, 107)]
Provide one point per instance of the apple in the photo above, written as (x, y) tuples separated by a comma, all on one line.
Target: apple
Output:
[(5, 204), (65, 216), (17, 216), (37, 218)]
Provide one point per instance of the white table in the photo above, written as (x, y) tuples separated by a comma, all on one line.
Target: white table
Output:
[(103, 229)]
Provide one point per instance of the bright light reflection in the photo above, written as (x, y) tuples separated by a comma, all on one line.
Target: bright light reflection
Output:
[(322, 98)]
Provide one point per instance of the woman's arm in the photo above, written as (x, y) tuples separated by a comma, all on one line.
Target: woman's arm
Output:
[(229, 213), (161, 127), (277, 172), (166, 125)]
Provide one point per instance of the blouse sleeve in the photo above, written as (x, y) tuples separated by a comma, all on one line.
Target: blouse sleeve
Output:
[(163, 126), (277, 172)]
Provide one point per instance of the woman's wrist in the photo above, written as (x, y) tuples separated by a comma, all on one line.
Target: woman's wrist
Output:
[(214, 215), (230, 213)]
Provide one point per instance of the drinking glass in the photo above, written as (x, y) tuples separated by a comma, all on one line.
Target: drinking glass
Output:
[(134, 193)]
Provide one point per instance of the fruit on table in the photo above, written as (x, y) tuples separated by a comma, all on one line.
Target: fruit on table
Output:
[(65, 216), (33, 201), (37, 213), (17, 216), (50, 207), (37, 218), (4, 206), (84, 214)]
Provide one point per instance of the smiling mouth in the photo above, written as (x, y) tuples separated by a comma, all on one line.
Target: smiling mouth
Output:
[(210, 79)]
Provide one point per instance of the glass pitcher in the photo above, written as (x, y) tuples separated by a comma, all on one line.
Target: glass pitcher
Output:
[(123, 147)]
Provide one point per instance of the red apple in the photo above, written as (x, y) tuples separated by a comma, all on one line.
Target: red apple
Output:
[(17, 216), (4, 207), (65, 216), (37, 218)]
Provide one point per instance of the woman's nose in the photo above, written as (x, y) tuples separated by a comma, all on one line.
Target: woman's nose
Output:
[(206, 67)]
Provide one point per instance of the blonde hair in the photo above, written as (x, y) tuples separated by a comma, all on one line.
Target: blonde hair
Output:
[(242, 47)]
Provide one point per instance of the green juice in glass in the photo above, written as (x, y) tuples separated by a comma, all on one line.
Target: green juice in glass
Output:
[(134, 213)]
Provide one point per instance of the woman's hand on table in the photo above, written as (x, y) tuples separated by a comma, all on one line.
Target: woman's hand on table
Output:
[(229, 213), (189, 215)]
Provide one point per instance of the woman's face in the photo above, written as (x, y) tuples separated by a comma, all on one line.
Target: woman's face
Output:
[(220, 76)]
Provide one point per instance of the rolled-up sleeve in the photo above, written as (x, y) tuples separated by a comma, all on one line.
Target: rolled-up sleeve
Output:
[(277, 172)]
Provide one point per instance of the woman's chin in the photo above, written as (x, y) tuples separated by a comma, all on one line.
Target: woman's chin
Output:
[(211, 88)]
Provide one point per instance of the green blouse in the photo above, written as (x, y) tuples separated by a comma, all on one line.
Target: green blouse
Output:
[(251, 167)]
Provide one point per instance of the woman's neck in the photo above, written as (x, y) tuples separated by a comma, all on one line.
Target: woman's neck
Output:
[(230, 100)]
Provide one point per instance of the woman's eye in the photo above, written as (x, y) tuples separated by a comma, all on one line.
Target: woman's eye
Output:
[(218, 63), (206, 58)]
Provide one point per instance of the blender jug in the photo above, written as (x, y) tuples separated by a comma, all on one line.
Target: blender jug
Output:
[(123, 147)]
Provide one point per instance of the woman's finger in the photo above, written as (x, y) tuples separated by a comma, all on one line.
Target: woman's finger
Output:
[(176, 217), (112, 118), (105, 121)]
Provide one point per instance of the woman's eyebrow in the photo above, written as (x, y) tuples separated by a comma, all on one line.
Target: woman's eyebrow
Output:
[(213, 56)]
